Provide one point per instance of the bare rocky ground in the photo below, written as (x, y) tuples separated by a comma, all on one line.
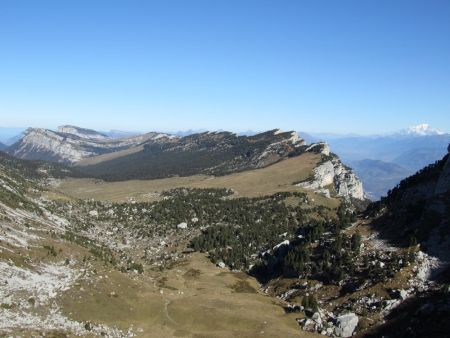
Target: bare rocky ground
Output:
[(33, 277), (344, 313)]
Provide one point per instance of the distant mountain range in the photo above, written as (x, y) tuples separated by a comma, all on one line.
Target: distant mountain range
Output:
[(71, 144), (383, 160), (158, 155), (378, 177), (9, 136)]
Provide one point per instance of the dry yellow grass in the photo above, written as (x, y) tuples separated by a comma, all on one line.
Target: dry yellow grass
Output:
[(109, 156), (259, 182), (200, 304)]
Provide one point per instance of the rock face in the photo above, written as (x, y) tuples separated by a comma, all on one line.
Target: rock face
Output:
[(443, 184), (333, 173), (346, 325), (320, 147), (426, 194), (71, 144)]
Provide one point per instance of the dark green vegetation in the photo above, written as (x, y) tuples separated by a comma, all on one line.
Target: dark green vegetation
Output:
[(240, 228), (21, 177), (266, 235), (422, 316), (206, 153), (30, 169), (288, 242), (413, 210)]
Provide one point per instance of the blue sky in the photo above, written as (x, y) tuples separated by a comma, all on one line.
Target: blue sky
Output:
[(320, 66)]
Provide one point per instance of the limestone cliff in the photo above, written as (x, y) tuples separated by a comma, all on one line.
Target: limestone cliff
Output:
[(332, 172)]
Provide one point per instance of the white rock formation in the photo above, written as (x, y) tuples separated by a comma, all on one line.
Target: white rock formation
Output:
[(346, 325), (182, 225), (321, 147), (284, 243), (333, 172)]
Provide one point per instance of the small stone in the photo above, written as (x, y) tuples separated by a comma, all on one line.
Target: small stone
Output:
[(221, 265)]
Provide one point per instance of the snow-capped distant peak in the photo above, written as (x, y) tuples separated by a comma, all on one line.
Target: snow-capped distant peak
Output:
[(423, 129)]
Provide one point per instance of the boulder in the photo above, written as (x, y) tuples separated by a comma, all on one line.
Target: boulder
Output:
[(346, 325), (221, 265), (317, 319), (403, 294), (182, 225)]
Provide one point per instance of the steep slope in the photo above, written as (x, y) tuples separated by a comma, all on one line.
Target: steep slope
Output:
[(416, 215), (331, 174), (418, 210), (2, 146), (71, 144)]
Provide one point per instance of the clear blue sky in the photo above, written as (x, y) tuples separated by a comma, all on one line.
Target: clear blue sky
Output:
[(334, 66)]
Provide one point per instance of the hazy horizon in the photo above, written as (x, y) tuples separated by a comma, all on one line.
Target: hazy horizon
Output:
[(200, 130)]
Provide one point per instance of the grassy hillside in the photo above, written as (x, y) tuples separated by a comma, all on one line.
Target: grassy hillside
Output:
[(207, 153), (253, 183)]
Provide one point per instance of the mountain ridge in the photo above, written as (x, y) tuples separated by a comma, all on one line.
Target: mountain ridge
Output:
[(69, 147)]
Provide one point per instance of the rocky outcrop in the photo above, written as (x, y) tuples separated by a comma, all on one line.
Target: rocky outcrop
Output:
[(346, 325), (320, 147), (331, 172)]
